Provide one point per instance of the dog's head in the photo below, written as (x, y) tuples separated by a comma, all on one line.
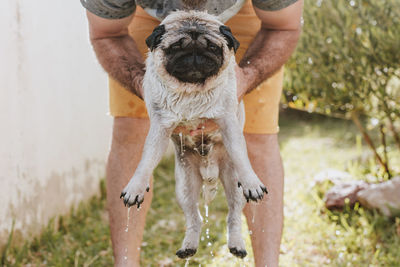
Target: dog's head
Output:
[(192, 46)]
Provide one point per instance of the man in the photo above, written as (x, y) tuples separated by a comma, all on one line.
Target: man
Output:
[(268, 31)]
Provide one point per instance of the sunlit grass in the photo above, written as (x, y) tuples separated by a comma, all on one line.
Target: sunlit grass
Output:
[(313, 236)]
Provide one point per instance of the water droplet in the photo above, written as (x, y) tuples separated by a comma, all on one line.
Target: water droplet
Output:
[(209, 244), (374, 122), (248, 62), (358, 30), (319, 3), (329, 40), (182, 146), (253, 212), (352, 3), (202, 238), (310, 61), (250, 232), (125, 257), (378, 71)]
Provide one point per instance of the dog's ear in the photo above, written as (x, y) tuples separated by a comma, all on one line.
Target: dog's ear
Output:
[(155, 38), (232, 42)]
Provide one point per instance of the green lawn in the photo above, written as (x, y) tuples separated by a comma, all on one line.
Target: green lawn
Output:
[(313, 236)]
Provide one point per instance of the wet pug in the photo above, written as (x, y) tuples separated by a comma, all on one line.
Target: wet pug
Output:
[(190, 77)]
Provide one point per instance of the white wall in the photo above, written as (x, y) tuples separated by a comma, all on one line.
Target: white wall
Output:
[(54, 127)]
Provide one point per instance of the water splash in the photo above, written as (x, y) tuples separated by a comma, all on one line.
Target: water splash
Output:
[(209, 243), (253, 212), (126, 254), (182, 152), (126, 231), (202, 140), (182, 145), (127, 221), (187, 262)]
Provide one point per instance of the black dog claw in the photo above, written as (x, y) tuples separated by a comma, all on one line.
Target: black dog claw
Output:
[(239, 184), (264, 189), (241, 253), (185, 253), (148, 189), (122, 195)]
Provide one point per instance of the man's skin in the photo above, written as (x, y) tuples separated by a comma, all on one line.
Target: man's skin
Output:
[(118, 54)]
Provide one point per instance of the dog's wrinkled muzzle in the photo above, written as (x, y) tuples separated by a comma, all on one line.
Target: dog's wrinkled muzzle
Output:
[(193, 59)]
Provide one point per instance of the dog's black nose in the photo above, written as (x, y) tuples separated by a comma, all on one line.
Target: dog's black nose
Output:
[(194, 34)]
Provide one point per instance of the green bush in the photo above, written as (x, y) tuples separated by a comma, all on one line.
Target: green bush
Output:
[(347, 64)]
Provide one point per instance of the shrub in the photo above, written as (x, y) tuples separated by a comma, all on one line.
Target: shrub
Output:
[(347, 64)]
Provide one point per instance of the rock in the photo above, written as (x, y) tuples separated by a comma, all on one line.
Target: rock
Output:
[(332, 175), (384, 196), (335, 197)]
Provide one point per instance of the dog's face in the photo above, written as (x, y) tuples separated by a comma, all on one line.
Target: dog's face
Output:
[(192, 46)]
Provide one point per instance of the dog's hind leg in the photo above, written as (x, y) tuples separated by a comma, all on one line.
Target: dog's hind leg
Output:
[(236, 202), (188, 185)]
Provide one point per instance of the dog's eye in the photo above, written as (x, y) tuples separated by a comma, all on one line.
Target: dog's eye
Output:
[(212, 47), (176, 46)]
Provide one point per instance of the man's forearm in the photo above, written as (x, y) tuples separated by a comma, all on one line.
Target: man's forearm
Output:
[(121, 59), (267, 53)]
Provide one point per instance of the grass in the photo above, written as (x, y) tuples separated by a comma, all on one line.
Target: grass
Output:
[(313, 236)]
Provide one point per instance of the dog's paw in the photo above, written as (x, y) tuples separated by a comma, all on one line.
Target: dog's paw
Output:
[(238, 252), (253, 189), (186, 252), (133, 194)]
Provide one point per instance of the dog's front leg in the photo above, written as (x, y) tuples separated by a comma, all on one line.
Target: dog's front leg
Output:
[(235, 144), (155, 145)]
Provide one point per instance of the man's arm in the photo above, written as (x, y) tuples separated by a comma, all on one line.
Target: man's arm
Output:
[(272, 46), (117, 51)]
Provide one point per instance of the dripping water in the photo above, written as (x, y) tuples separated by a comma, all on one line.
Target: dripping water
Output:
[(126, 231)]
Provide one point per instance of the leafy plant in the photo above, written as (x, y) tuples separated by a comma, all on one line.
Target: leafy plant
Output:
[(347, 65)]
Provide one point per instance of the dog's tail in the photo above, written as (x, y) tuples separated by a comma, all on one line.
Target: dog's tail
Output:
[(209, 172)]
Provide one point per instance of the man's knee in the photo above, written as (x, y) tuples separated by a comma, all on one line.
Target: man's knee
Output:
[(129, 132), (262, 143)]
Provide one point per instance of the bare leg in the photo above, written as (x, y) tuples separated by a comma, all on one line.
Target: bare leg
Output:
[(127, 143), (263, 150)]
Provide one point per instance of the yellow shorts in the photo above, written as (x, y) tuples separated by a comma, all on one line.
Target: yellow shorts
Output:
[(261, 105)]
